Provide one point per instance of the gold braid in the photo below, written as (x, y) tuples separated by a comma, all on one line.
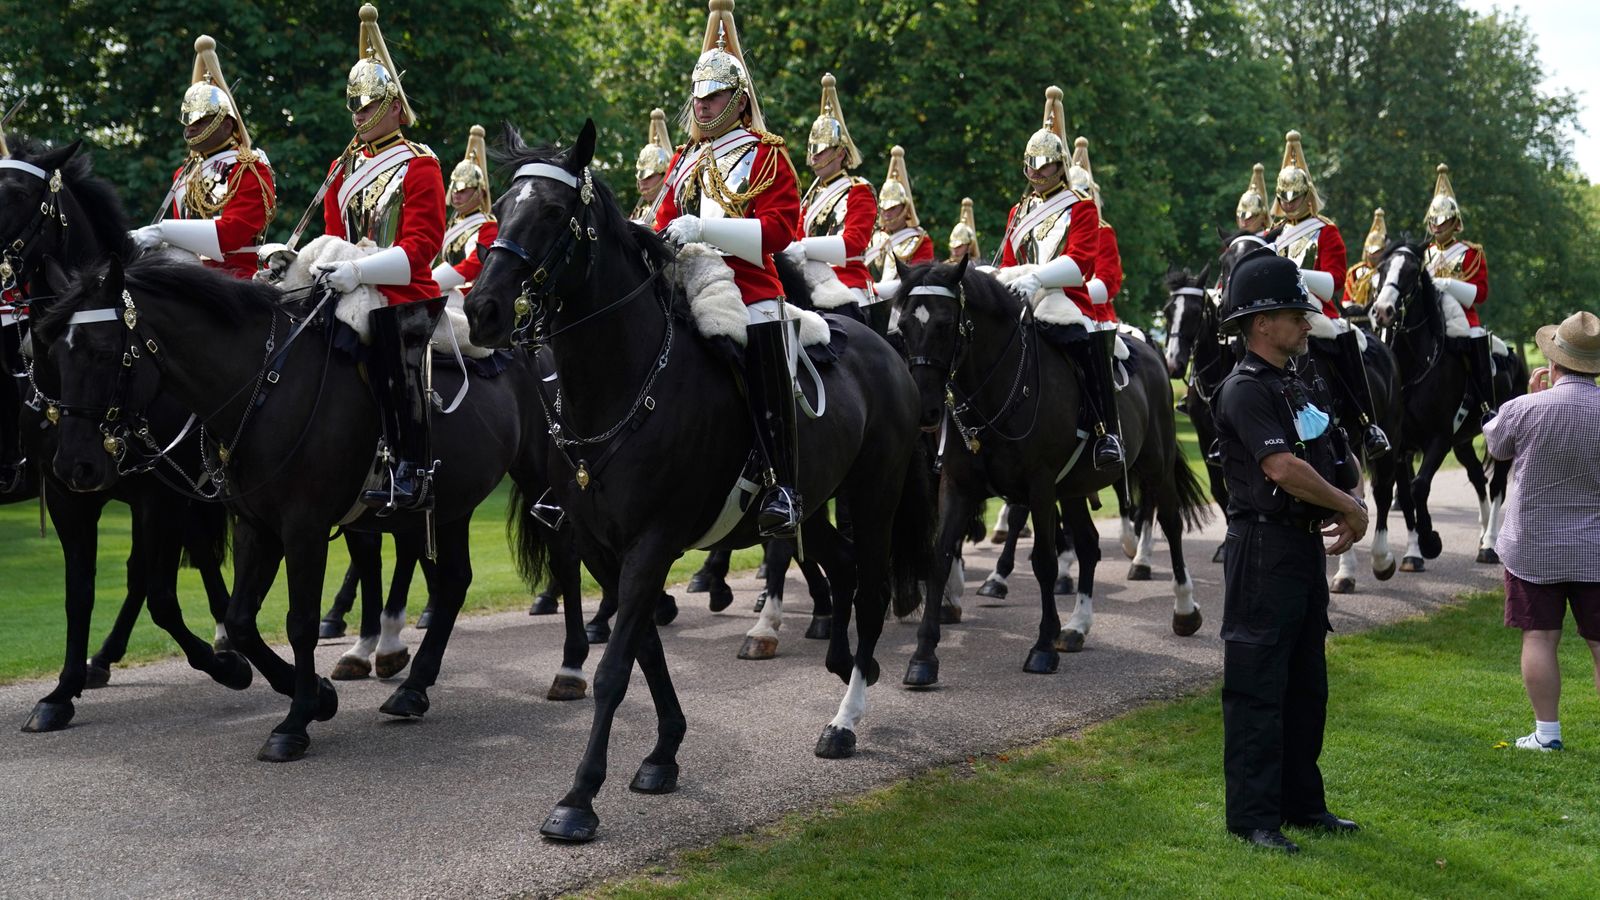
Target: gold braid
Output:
[(197, 198), (734, 202)]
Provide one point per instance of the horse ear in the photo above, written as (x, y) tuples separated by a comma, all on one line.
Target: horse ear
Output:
[(582, 153), (114, 273), (961, 269), (55, 277), (55, 159), (1224, 234)]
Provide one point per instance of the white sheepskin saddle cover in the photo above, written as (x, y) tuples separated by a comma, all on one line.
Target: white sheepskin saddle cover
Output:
[(1455, 324), (717, 305), (1328, 329), (1055, 308), (354, 306), (827, 291)]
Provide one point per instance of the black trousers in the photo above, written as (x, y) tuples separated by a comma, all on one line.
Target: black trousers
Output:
[(1274, 674)]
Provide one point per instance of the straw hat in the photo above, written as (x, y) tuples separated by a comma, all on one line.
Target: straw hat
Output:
[(1573, 345)]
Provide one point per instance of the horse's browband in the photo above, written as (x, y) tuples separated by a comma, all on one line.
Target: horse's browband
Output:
[(546, 170), (21, 166), (934, 289), (86, 316)]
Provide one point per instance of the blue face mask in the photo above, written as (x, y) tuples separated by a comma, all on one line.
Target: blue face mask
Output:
[(1310, 422)]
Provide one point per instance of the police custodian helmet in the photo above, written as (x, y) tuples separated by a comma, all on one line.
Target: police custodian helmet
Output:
[(1263, 282)]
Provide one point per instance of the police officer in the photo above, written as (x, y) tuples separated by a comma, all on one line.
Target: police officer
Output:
[(1291, 482)]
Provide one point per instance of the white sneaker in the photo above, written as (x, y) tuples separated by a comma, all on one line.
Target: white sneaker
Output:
[(1532, 742)]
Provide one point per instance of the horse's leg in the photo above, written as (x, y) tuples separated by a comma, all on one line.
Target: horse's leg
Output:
[(76, 518), (638, 587), (871, 595), (598, 631), (154, 516), (1382, 481), (1043, 658), (332, 625), (761, 641), (1405, 475), (1425, 542), (1497, 508), (205, 537), (821, 627), (1132, 521), (314, 699), (715, 582), (658, 773), (995, 585), (256, 554), (955, 509), (1144, 546), (452, 577), (392, 656), (366, 557), (955, 585), (569, 683), (1186, 618), (1087, 540), (115, 646)]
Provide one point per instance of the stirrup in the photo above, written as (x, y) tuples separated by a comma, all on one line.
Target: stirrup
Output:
[(1377, 443), (417, 496), (779, 517), (1107, 452)]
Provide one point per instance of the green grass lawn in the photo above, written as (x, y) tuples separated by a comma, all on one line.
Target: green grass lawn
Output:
[(1135, 806)]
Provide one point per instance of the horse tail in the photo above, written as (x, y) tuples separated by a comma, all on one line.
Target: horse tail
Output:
[(911, 542), (529, 549), (793, 278), (1193, 503), (207, 531)]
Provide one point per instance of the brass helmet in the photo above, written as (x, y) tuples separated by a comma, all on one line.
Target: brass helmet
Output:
[(1443, 207), (1080, 177), (828, 130), (721, 67), (1294, 178), (896, 188), (472, 172), (656, 155), (965, 234), (1049, 143), (1377, 235), (1253, 202), (374, 78), (208, 95)]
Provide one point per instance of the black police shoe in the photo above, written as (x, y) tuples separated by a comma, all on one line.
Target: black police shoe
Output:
[(1107, 452), (1266, 838), (1327, 822), (780, 514)]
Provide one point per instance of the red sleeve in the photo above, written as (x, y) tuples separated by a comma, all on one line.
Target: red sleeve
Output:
[(244, 219), (421, 232), (1331, 256), (175, 212), (470, 267), (777, 207), (860, 217), (1109, 266), (668, 209), (1476, 269), (1008, 257), (924, 251), (332, 215), (1083, 239)]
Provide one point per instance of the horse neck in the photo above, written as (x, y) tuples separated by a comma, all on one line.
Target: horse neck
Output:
[(1210, 361), (1421, 340), (205, 361), (993, 350)]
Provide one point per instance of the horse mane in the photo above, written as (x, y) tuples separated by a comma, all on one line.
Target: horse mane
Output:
[(101, 203), (1181, 278), (169, 276)]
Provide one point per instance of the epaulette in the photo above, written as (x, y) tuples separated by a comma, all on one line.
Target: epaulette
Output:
[(768, 138), (1081, 195), (248, 155), (1104, 224), (1327, 221), (420, 149), (856, 180)]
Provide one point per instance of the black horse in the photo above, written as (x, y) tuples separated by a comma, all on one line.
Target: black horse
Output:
[(655, 435), (1008, 402), (293, 429), (1434, 387), (53, 205)]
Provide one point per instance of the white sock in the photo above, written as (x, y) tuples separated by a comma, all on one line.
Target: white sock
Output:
[(1547, 731)]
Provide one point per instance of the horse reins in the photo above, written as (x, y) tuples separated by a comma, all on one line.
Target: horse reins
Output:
[(14, 258), (957, 406)]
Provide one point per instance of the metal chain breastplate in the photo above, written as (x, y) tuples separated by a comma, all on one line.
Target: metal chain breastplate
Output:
[(461, 246), (1302, 251), (1440, 264), (374, 212), (1044, 242)]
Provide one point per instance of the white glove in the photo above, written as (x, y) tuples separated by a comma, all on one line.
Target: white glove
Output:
[(1463, 292), (1025, 286), (343, 277), (794, 253), (684, 230), (147, 238), (446, 276)]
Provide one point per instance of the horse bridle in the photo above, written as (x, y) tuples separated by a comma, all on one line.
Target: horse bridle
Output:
[(537, 289), (1208, 314), (14, 257), (1399, 329), (959, 406)]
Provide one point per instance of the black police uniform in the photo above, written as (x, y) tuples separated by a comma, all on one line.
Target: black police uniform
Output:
[(1275, 615)]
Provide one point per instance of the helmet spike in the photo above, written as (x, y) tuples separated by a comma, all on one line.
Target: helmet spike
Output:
[(208, 93)]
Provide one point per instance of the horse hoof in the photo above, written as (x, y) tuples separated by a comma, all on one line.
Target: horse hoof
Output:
[(721, 597), (567, 687), (543, 605), (993, 589), (759, 648), (1385, 573), (1487, 555), (1222, 552), (1136, 572), (1185, 625), (350, 668), (1431, 544), (96, 676), (655, 778), (597, 632), (1342, 585), (699, 583), (48, 717), (426, 619), (330, 629), (999, 536), (405, 703), (1412, 564), (222, 645), (232, 671), (922, 673), (821, 628), (388, 665), (571, 824), (1070, 641), (949, 614), (327, 701), (836, 743), (666, 609), (1042, 662), (281, 748), (1064, 586)]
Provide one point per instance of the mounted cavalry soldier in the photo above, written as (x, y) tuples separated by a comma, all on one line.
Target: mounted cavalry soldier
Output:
[(1057, 228), (650, 169), (472, 226), (900, 239), (733, 187), (838, 212), (223, 196), (390, 191), (1313, 243), (1363, 276), (1460, 272), (964, 236), (1107, 280), (1251, 212)]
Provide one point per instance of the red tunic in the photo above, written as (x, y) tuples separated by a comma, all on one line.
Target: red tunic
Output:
[(1108, 268), (922, 253), (470, 267), (1475, 271), (243, 221), (860, 218), (1082, 244), (421, 229), (1331, 259), (777, 207)]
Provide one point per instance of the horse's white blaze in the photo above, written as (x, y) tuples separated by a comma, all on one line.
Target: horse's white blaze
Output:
[(1347, 565), (1382, 556), (1147, 540), (956, 584), (770, 620), (921, 314), (1176, 327), (362, 648), (1183, 595), (525, 193), (1082, 615), (1413, 547), (1389, 294), (854, 704), (1491, 532), (1130, 541), (389, 634)]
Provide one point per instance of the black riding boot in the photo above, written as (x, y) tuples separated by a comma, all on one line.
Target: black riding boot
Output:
[(1481, 369), (1355, 378), (1102, 364), (400, 336), (771, 390)]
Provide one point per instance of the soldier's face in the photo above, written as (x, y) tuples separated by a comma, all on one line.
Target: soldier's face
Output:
[(1443, 232), (465, 200), (219, 137), (370, 124), (649, 186), (827, 163), (1043, 178), (1255, 223), (894, 218), (710, 108), (1296, 206), (960, 252)]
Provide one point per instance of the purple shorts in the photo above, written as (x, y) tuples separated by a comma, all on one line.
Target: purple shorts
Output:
[(1543, 607)]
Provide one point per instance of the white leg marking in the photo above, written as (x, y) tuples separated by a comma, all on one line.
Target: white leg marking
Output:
[(1491, 531), (1001, 517), (389, 635), (770, 620), (1347, 565), (1183, 595), (570, 672), (854, 704), (1082, 615), (956, 584), (222, 632), (995, 578), (1382, 556), (1130, 542), (362, 648), (1483, 515), (1413, 549), (1066, 560), (1146, 542)]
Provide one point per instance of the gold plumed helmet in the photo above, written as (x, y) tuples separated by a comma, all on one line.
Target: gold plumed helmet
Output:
[(472, 172), (829, 130), (1049, 143), (1080, 177), (1253, 202), (656, 155), (1377, 235), (1443, 207), (721, 67), (965, 234), (374, 78), (1294, 178), (896, 188), (208, 95)]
